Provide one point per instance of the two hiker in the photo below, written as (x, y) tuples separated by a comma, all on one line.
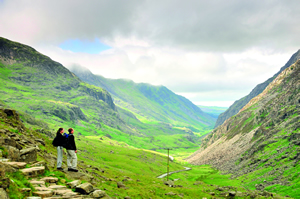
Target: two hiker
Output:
[(64, 140)]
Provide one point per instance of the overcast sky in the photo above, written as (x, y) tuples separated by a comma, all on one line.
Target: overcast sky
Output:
[(212, 52)]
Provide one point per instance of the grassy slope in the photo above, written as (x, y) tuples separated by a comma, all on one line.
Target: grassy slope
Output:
[(150, 104), (118, 160), (44, 89), (273, 161)]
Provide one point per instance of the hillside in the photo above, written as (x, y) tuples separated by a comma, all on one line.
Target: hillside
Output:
[(35, 84), (239, 104), (107, 169), (45, 90), (149, 103), (260, 145)]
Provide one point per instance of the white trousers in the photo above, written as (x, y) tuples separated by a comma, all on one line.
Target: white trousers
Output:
[(59, 156), (71, 159)]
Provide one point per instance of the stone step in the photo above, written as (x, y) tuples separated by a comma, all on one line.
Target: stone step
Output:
[(37, 183), (34, 171), (65, 192), (43, 194), (50, 179), (57, 187), (42, 189), (17, 165), (66, 197)]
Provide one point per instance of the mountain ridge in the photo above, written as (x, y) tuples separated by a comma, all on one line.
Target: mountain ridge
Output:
[(262, 139), (239, 104), (159, 97)]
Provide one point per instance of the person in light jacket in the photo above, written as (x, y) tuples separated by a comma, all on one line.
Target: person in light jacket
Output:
[(59, 141), (71, 151)]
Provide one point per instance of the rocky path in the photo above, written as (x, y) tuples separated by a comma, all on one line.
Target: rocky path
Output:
[(53, 187)]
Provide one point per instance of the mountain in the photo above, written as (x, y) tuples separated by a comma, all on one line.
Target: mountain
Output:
[(33, 83), (45, 91), (239, 104), (150, 104), (261, 144)]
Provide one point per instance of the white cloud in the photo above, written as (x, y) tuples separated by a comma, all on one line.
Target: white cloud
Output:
[(200, 76), (218, 50)]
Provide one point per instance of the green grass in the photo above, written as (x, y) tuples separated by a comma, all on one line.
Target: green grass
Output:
[(17, 182)]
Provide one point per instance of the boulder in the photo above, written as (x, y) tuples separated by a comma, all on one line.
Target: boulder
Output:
[(3, 194), (121, 185), (28, 154), (98, 194), (231, 193), (170, 194), (51, 159), (84, 188), (74, 183), (197, 183), (169, 183), (13, 153)]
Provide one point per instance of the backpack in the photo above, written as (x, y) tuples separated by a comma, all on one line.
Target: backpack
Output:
[(66, 142), (54, 142)]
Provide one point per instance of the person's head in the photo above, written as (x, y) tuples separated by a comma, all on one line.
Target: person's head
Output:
[(60, 130), (71, 130)]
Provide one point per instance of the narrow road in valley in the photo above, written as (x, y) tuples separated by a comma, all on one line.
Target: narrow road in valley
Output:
[(165, 174)]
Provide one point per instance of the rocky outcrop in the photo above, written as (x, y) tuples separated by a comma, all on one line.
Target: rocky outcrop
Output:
[(239, 104), (98, 93)]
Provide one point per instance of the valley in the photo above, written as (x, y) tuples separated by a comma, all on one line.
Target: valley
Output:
[(123, 129)]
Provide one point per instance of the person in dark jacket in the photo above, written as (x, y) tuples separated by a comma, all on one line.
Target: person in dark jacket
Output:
[(59, 141), (71, 151)]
